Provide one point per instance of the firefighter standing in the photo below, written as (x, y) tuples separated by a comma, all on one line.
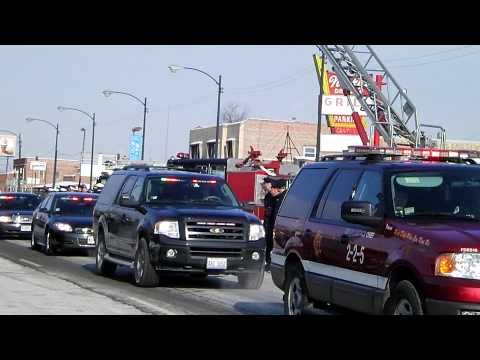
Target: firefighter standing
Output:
[(277, 193)]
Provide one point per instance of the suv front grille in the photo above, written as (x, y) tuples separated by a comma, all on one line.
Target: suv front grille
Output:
[(215, 252), (210, 230)]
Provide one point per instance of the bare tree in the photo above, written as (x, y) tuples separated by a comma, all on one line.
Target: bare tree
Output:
[(233, 112)]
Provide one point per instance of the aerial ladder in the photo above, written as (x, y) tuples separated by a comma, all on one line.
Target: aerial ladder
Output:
[(362, 74)]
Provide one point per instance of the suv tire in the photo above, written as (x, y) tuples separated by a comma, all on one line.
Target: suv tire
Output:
[(144, 273), (295, 299), (103, 266), (251, 280), (405, 300)]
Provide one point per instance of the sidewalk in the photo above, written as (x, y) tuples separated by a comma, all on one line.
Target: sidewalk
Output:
[(25, 291)]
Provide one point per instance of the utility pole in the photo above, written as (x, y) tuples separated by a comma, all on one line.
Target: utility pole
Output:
[(320, 102)]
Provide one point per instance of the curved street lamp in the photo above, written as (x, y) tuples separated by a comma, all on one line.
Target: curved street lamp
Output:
[(107, 93), (29, 119), (91, 117), (175, 68)]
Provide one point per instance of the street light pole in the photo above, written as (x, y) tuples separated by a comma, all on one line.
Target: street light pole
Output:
[(56, 146), (92, 117), (107, 93), (81, 156), (175, 68), (55, 160), (93, 145), (143, 133), (218, 117)]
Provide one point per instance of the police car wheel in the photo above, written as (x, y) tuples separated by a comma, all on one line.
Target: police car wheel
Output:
[(49, 247), (144, 273), (404, 300), (33, 242), (295, 300)]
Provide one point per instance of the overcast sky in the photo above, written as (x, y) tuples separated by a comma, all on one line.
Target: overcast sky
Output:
[(276, 82)]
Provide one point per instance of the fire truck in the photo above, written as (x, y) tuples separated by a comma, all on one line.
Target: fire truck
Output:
[(243, 176)]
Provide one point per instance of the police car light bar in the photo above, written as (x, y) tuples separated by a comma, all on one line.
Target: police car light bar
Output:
[(429, 154)]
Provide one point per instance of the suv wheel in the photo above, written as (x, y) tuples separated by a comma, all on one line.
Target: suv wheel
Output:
[(103, 266), (145, 274), (33, 242), (295, 299), (251, 280), (404, 300)]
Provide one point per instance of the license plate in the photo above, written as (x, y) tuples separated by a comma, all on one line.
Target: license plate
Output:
[(217, 263), (25, 227), (90, 240)]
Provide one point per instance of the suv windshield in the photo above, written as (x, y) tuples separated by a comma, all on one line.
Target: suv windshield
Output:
[(75, 205), (445, 194), (18, 202), (183, 190)]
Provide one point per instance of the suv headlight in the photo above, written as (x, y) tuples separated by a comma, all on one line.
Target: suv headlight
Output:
[(257, 231), (458, 265), (63, 227), (168, 228), (5, 219)]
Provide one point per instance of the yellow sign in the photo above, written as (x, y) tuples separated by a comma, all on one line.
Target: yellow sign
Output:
[(331, 86)]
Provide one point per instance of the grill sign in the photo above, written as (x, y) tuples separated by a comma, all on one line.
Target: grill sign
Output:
[(217, 230)]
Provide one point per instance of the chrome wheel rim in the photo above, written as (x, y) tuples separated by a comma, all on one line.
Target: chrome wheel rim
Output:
[(139, 265), (32, 242), (100, 253), (295, 297), (47, 243), (403, 308)]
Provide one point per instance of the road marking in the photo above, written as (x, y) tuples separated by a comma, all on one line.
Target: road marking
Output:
[(30, 262), (155, 307)]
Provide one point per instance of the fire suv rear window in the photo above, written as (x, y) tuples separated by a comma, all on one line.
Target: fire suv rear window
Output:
[(446, 194), (183, 190)]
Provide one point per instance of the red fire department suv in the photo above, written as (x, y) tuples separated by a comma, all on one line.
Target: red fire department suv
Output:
[(380, 235)]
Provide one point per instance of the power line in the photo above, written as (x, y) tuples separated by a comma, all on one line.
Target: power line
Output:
[(273, 82), (430, 54), (436, 61)]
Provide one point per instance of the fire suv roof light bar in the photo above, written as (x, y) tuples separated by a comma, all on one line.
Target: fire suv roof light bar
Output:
[(378, 153)]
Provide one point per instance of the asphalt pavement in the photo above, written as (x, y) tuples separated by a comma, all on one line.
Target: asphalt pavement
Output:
[(33, 283)]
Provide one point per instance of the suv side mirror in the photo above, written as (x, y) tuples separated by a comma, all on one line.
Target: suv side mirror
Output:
[(125, 200), (43, 210), (360, 212)]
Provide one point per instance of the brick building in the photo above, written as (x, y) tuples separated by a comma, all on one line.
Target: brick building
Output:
[(268, 136)]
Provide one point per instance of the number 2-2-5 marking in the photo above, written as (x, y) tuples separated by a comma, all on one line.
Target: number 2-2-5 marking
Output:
[(354, 253)]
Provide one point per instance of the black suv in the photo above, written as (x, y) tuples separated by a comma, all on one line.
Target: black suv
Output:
[(169, 221)]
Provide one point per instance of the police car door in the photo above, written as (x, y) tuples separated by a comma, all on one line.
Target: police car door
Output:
[(361, 284)]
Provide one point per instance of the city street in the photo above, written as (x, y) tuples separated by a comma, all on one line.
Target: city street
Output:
[(33, 283)]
